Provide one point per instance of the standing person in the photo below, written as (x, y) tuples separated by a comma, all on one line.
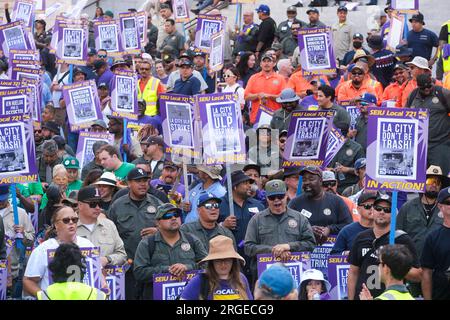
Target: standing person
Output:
[(345, 237), (72, 166), (285, 27), (364, 258), (313, 16), (167, 251), (267, 30), (357, 44), (326, 212), (400, 76), (187, 84), (63, 230), (342, 34), (383, 68), (291, 176), (435, 259), (134, 216), (107, 187), (247, 67), (173, 39), (149, 88), (325, 98), (231, 77), (110, 159), (161, 73), (360, 170), (264, 87), (222, 279), (422, 40), (48, 161), (359, 132), (100, 231), (289, 103), (246, 38), (395, 263), (200, 65), (278, 230)]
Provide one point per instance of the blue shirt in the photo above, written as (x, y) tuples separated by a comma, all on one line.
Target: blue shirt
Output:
[(344, 240), (422, 43), (216, 189), (46, 96), (189, 87)]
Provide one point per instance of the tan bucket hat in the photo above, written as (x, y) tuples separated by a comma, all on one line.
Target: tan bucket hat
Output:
[(221, 247), (362, 54), (212, 171)]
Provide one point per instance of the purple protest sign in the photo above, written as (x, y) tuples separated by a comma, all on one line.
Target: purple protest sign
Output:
[(316, 51), (83, 104), (263, 117), (207, 25), (107, 37), (86, 140), (17, 150), (335, 142), (23, 58), (319, 256), (93, 276), (338, 269), (35, 86), (130, 33), (179, 129), (398, 141), (124, 101), (180, 11), (307, 139), (72, 44), (115, 279), (14, 36), (352, 110), (169, 287), (405, 6), (15, 101), (216, 52), (142, 25), (222, 128), (3, 278), (23, 11), (297, 263), (6, 83)]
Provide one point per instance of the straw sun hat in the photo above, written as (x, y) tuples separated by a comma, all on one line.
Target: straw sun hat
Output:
[(221, 247)]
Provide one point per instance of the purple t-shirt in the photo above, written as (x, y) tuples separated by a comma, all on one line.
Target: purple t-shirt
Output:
[(309, 101), (225, 292), (155, 182)]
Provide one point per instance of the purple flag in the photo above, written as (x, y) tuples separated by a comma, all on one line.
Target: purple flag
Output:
[(398, 141), (72, 44), (207, 26), (130, 33), (316, 51), (3, 279), (115, 278), (222, 128), (179, 128), (14, 36), (335, 142), (169, 287), (23, 11), (307, 139), (338, 268), (107, 37), (124, 102), (86, 140), (297, 263), (83, 104)]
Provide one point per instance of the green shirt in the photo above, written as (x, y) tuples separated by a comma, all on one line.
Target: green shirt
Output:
[(74, 186), (122, 172)]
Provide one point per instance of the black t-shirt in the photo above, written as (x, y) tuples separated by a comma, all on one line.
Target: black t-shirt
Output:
[(363, 255), (443, 34), (331, 211), (436, 256), (266, 33)]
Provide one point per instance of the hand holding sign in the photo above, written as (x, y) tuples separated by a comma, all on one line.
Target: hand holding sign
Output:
[(178, 270)]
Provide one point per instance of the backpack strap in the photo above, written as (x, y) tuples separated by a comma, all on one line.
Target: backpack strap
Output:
[(151, 246), (237, 88), (46, 295), (411, 98)]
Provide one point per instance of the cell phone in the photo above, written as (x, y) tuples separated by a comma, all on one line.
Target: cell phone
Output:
[(164, 187)]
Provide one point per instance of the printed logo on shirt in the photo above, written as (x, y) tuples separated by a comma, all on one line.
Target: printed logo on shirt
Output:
[(326, 211), (185, 246), (292, 223), (226, 294), (349, 152), (253, 210), (306, 213), (151, 209), (435, 100)]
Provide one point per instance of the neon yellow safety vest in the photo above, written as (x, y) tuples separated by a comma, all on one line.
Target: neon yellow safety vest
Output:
[(394, 295), (446, 62), (70, 291), (150, 95)]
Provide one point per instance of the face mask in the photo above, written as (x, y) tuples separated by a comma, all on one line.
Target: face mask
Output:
[(357, 45)]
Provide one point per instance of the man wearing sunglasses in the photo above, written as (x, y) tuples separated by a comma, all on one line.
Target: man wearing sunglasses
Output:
[(289, 103), (435, 258), (170, 250), (206, 227), (101, 232), (363, 102), (363, 257), (278, 229), (330, 184)]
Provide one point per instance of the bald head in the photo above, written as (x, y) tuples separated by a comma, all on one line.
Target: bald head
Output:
[(248, 17)]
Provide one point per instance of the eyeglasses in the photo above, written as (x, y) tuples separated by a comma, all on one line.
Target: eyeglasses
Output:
[(367, 206), (329, 184), (69, 220), (282, 140), (357, 73), (210, 206), (101, 56), (228, 75), (276, 196), (170, 215), (384, 209), (364, 104), (37, 131), (93, 204), (433, 180)]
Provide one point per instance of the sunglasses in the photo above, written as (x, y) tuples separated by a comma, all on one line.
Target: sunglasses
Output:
[(429, 86), (384, 209), (433, 180), (282, 140), (367, 206), (329, 184), (277, 196), (170, 215), (364, 104), (101, 56), (69, 220), (211, 206), (144, 69), (94, 204), (357, 73), (37, 131)]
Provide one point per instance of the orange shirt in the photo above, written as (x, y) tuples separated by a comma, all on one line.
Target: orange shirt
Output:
[(301, 84), (446, 83), (348, 92), (406, 90), (352, 207), (367, 82), (392, 91), (260, 83)]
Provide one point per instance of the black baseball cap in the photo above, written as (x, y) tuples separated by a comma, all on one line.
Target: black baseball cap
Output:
[(383, 197), (238, 177), (358, 36), (137, 173), (367, 196), (252, 166), (89, 194)]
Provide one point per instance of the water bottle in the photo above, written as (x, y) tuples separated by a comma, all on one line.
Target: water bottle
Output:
[(340, 175), (316, 296)]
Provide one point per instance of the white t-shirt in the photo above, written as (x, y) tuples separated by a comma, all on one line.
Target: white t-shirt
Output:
[(38, 265), (239, 92), (90, 226)]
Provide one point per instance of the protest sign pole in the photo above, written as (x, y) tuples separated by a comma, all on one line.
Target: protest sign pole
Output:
[(299, 187), (125, 138), (230, 189), (71, 73), (186, 185), (18, 240), (393, 217)]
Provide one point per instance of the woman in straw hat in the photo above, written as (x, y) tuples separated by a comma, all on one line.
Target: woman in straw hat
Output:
[(222, 279)]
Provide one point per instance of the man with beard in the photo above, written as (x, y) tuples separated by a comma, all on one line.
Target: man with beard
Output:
[(363, 257), (392, 91), (326, 212), (278, 230), (47, 161), (360, 131), (360, 170), (166, 181), (169, 250), (282, 117), (344, 240)]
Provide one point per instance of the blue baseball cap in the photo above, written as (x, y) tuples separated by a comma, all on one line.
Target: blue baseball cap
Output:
[(367, 97), (263, 8), (277, 281), (444, 194), (360, 163), (4, 192), (205, 197)]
